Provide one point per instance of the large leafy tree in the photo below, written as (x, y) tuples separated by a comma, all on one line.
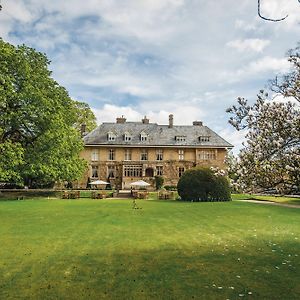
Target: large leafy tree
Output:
[(38, 120), (271, 156)]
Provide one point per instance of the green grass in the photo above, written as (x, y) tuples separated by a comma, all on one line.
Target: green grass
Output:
[(278, 199), (103, 249)]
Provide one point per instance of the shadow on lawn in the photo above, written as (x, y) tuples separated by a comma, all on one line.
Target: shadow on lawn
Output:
[(258, 270)]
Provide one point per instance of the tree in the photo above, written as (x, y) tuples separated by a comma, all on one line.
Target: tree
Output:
[(159, 181), (271, 156), (11, 158), (38, 118), (84, 116)]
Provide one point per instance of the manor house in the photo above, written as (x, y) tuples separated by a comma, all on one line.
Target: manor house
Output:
[(123, 152)]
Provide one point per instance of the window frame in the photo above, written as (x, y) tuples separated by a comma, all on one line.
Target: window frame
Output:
[(128, 154), (159, 154), (111, 154), (181, 154), (96, 174), (144, 155)]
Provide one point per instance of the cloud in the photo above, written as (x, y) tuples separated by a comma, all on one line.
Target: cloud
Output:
[(277, 9), (156, 57), (236, 138), (182, 115), (257, 45), (258, 68)]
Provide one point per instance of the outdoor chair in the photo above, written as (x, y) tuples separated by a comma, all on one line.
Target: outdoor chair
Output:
[(65, 195)]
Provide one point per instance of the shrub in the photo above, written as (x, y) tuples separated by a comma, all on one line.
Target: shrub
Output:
[(159, 181), (201, 184), (170, 187)]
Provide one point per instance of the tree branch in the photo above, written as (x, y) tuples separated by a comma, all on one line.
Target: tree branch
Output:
[(268, 19)]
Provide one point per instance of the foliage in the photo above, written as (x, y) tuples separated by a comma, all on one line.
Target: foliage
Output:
[(11, 158), (271, 156), (84, 115), (170, 187), (38, 118), (159, 181), (202, 184)]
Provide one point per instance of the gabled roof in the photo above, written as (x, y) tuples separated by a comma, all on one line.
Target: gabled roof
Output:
[(158, 135)]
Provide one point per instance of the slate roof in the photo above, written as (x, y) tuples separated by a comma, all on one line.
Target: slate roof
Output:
[(158, 135)]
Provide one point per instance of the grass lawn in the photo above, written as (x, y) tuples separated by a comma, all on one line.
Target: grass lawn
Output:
[(278, 199), (103, 249)]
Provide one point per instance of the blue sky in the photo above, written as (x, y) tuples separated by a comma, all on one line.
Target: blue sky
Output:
[(192, 58)]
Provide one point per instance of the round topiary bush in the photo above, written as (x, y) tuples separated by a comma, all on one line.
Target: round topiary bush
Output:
[(201, 184)]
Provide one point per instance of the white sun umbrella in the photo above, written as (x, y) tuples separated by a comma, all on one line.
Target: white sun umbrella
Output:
[(98, 182), (140, 183)]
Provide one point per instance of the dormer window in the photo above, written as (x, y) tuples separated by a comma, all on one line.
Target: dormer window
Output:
[(143, 137), (180, 138), (204, 138), (127, 137), (111, 136)]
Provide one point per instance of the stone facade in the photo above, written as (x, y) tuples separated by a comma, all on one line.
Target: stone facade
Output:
[(123, 152)]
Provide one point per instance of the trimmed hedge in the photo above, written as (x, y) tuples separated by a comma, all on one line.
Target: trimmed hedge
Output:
[(201, 184)]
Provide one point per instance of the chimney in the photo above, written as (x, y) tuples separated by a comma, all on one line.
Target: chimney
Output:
[(83, 129), (121, 120), (145, 120), (171, 121), (197, 123)]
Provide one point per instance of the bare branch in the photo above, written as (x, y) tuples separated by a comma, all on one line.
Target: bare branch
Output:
[(269, 19)]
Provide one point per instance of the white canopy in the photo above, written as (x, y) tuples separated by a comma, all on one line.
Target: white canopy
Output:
[(140, 183), (98, 182)]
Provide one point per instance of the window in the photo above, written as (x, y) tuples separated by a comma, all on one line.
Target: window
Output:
[(128, 154), (127, 137), (159, 170), (95, 155), (203, 138), (207, 155), (180, 154), (159, 154), (111, 171), (133, 171), (94, 172), (144, 154), (143, 137), (180, 171), (111, 136), (111, 154), (180, 138)]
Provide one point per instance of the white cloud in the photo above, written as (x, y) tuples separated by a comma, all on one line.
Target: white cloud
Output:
[(257, 45), (236, 138), (268, 63), (155, 57), (277, 9), (258, 68), (182, 115)]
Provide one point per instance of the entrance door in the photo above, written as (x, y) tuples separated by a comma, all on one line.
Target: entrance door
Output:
[(149, 172)]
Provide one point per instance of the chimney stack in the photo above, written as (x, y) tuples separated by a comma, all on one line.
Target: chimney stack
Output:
[(83, 129), (171, 121), (145, 120), (197, 123), (121, 120)]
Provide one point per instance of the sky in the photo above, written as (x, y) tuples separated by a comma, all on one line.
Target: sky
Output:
[(191, 58)]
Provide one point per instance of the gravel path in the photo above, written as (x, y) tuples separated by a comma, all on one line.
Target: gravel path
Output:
[(270, 203)]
